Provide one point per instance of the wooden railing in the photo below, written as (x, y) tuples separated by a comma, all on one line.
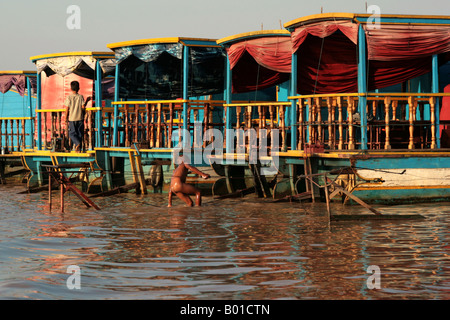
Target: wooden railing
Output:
[(13, 133), (394, 120), (152, 124), (53, 125), (257, 116)]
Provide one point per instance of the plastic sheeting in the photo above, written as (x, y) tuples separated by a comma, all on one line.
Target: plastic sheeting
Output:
[(156, 71), (83, 66)]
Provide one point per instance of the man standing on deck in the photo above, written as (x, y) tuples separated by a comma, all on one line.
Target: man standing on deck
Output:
[(74, 105)]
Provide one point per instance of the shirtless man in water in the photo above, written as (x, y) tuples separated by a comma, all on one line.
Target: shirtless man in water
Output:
[(181, 189)]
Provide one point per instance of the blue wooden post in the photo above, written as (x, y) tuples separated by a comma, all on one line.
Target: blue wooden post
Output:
[(362, 85), (30, 107), (435, 89), (228, 88), (38, 114), (98, 104), (116, 107), (185, 94), (294, 102)]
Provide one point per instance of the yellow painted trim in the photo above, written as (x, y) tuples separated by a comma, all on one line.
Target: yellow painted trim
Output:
[(371, 94), (262, 33), (362, 188), (354, 16), (255, 104), (17, 118), (17, 72), (49, 153), (132, 149), (152, 41), (98, 54), (324, 16), (148, 102), (50, 110)]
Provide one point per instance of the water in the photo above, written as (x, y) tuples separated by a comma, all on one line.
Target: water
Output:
[(137, 248)]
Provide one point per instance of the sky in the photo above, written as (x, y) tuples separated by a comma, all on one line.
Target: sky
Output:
[(31, 27)]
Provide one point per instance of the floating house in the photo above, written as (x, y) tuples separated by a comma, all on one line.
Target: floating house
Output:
[(54, 74), (360, 98), (258, 74), (369, 92), (17, 110), (168, 93), (17, 103)]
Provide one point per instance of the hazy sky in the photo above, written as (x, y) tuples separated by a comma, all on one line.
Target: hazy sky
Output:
[(31, 27)]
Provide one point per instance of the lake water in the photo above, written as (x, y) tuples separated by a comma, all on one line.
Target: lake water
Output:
[(237, 249)]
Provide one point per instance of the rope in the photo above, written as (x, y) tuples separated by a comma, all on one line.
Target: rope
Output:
[(318, 66)]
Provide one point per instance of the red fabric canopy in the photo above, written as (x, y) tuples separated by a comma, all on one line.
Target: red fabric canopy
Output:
[(18, 80), (260, 63), (271, 52), (402, 42), (248, 75), (328, 56), (327, 65), (323, 30)]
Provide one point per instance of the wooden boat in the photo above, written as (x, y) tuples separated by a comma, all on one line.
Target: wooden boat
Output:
[(371, 95)]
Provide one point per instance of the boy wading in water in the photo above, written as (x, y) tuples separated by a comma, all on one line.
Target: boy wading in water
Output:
[(180, 188), (74, 105)]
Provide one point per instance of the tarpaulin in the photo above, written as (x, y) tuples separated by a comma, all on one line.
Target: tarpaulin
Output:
[(327, 65), (55, 89), (161, 77), (81, 65), (323, 30), (260, 63), (273, 53), (403, 42), (17, 80)]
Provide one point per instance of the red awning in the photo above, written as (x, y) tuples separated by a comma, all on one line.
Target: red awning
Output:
[(273, 53), (260, 63), (323, 30), (328, 55), (403, 42)]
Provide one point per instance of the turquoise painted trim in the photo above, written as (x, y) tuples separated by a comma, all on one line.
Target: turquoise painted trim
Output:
[(407, 20), (435, 89), (185, 93), (228, 93), (362, 85), (199, 42), (293, 88), (116, 107), (404, 163), (30, 139), (38, 114), (98, 103), (403, 195)]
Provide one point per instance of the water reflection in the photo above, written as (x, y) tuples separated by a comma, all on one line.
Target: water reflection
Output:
[(137, 248)]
